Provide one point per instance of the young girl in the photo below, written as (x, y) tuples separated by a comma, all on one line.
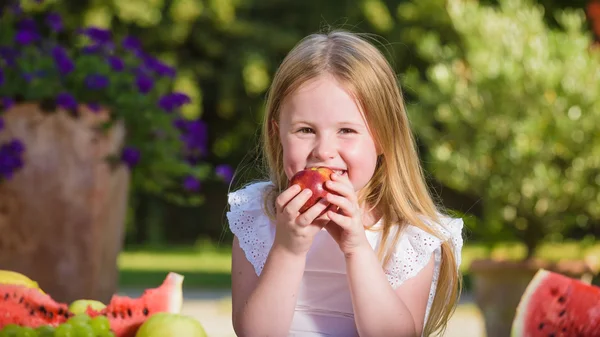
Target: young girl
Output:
[(384, 261)]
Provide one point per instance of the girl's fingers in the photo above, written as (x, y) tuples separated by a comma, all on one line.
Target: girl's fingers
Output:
[(345, 205), (341, 188), (284, 198), (339, 219), (312, 213), (293, 207)]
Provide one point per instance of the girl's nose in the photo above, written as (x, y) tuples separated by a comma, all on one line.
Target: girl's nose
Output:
[(324, 149)]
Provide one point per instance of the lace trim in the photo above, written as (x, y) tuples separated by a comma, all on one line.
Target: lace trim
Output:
[(250, 225)]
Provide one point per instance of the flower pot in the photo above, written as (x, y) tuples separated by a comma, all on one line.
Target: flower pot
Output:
[(62, 214), (499, 285)]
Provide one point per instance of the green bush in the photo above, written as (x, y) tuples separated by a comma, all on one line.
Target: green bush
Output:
[(510, 113)]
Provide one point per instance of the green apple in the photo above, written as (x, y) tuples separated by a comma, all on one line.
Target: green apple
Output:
[(80, 306), (171, 325)]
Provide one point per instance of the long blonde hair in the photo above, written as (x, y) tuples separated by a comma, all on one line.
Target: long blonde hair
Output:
[(397, 189)]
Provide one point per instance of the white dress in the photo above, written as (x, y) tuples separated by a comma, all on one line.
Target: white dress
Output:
[(324, 306)]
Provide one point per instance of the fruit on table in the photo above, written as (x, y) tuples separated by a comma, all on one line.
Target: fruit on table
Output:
[(557, 305), (127, 314), (171, 325), (26, 307), (12, 277), (313, 178), (80, 306)]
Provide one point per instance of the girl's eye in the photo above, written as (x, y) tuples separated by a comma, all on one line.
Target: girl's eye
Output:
[(346, 130), (305, 130)]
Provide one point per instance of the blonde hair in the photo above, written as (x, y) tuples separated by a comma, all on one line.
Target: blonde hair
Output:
[(397, 189)]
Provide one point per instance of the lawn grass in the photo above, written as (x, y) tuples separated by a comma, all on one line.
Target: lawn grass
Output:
[(206, 267), (209, 267)]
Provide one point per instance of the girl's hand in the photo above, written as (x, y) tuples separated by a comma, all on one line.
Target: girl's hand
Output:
[(346, 226), (295, 231)]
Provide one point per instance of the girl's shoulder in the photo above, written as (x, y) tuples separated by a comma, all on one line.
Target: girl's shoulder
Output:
[(416, 246), (249, 222)]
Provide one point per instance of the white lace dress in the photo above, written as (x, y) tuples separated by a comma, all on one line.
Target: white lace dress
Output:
[(324, 306)]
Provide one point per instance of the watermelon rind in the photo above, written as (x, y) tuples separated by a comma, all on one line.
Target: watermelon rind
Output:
[(521, 313)]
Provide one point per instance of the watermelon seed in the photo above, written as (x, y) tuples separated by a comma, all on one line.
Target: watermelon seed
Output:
[(6, 297), (553, 291), (21, 300), (551, 334), (60, 311), (561, 299), (114, 314), (50, 314), (562, 313), (541, 326), (145, 311), (32, 312), (129, 312)]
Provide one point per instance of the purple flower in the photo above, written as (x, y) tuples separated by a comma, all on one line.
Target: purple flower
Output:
[(11, 158), (95, 107), (144, 83), (225, 172), (7, 102), (54, 21), (116, 63), (1, 77), (27, 24), (158, 67), (9, 55), (26, 37), (61, 59), (66, 101), (195, 136), (131, 43), (131, 156), (96, 81), (173, 101), (92, 49), (98, 35), (191, 184)]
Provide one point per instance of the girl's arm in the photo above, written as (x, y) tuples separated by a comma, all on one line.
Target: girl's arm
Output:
[(264, 306), (379, 310)]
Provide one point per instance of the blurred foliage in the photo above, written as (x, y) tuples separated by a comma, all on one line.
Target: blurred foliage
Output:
[(226, 52), (510, 113)]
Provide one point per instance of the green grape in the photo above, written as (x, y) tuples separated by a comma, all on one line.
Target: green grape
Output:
[(83, 331), (64, 330), (99, 324), (26, 331), (81, 318), (11, 330), (45, 331), (105, 334)]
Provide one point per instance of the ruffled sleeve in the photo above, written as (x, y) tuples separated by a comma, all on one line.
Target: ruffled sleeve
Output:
[(249, 223), (415, 247)]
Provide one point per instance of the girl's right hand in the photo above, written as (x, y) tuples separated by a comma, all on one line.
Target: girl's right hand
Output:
[(295, 231)]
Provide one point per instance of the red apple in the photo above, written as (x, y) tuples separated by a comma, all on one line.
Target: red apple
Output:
[(313, 178)]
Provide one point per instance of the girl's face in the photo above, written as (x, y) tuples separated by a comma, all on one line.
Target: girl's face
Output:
[(321, 125)]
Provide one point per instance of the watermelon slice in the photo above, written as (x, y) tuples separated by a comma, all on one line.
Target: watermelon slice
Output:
[(28, 307), (556, 305), (126, 314)]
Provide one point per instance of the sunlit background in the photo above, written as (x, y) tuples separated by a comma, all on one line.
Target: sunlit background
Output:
[(503, 97)]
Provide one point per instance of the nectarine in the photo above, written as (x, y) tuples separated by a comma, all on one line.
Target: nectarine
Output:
[(313, 178)]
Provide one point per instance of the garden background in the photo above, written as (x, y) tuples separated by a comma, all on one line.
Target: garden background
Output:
[(503, 96)]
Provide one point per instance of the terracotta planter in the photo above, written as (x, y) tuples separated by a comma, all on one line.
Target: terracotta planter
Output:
[(62, 215), (499, 285)]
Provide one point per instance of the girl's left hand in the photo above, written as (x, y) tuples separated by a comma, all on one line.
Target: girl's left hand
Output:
[(346, 226)]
